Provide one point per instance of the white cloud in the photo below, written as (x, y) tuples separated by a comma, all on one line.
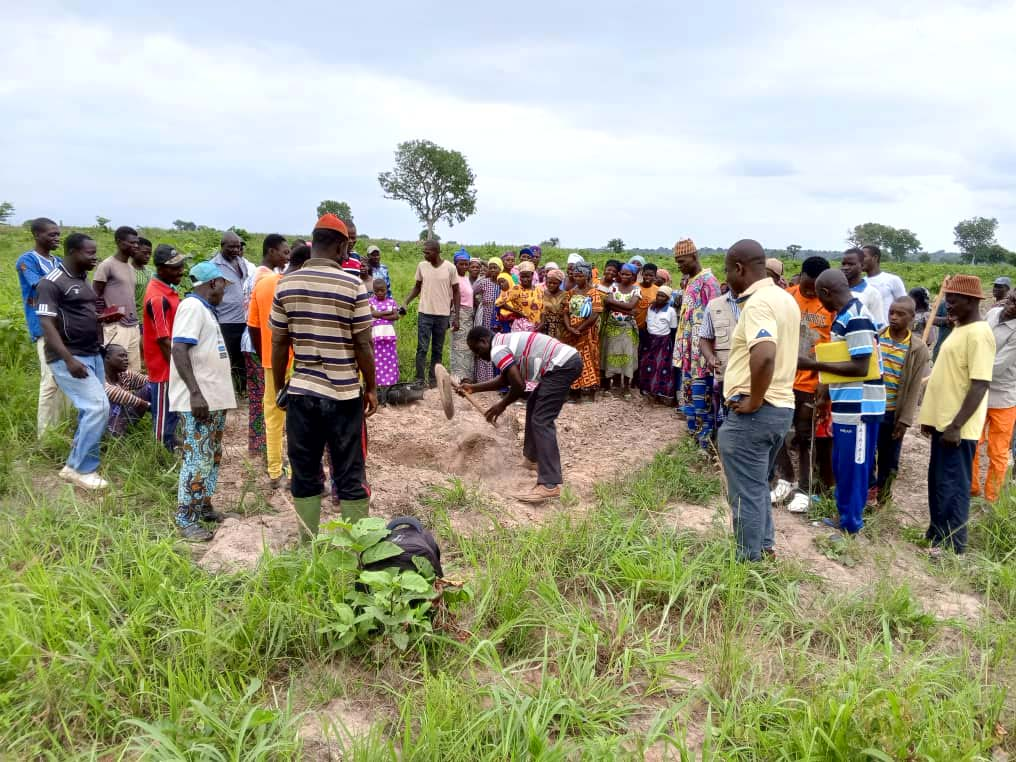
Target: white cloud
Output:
[(849, 114)]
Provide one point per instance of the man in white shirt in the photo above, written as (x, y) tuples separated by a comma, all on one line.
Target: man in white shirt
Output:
[(890, 287), (526, 356), (201, 390), (852, 266)]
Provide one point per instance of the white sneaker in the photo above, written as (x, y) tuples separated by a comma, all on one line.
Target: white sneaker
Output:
[(781, 492), (90, 481), (800, 503)]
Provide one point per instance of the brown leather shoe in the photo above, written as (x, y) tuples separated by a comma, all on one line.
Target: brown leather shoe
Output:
[(539, 494)]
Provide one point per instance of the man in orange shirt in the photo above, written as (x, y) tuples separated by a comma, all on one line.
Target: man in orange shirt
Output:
[(261, 339), (816, 322)]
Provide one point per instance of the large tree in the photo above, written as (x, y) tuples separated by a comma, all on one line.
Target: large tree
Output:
[(186, 225), (975, 237), (6, 211), (339, 208), (436, 182), (616, 245), (793, 250), (899, 243)]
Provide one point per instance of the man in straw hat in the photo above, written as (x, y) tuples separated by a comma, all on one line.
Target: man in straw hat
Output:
[(323, 313), (954, 411), (759, 388)]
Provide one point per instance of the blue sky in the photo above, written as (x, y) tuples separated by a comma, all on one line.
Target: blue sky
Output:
[(585, 121)]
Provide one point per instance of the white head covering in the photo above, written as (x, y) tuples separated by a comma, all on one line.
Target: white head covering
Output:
[(575, 259), (551, 266)]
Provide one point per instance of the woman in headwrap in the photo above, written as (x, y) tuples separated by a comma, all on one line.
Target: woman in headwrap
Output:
[(555, 305), (461, 356), (524, 302), (584, 309), (657, 374), (620, 337), (486, 292)]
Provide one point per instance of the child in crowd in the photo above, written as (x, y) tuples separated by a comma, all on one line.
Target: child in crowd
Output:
[(905, 361), (385, 312), (127, 391), (657, 375)]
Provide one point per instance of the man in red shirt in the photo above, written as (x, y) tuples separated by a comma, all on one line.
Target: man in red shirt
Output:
[(160, 303)]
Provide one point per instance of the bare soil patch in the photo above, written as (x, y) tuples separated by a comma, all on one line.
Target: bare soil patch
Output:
[(411, 448)]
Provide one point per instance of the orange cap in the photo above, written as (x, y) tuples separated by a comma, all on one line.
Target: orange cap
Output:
[(331, 222)]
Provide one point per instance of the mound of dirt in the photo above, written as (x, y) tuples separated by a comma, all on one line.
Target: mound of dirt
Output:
[(411, 448)]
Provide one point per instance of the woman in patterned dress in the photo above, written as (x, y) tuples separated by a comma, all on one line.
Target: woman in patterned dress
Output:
[(555, 306), (486, 292), (620, 337), (584, 309), (385, 312)]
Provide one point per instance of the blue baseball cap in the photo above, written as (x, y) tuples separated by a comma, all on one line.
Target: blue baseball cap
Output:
[(203, 272)]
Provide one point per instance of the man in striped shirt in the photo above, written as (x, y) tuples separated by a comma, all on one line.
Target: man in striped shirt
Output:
[(858, 405), (520, 357), (322, 313)]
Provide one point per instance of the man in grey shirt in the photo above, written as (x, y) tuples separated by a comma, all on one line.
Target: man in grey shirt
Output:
[(998, 426), (232, 311)]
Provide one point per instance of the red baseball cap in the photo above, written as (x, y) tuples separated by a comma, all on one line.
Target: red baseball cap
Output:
[(331, 222)]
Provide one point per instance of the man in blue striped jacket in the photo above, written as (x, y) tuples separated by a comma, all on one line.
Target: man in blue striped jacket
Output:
[(858, 406)]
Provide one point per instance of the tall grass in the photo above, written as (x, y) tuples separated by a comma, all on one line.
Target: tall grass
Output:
[(607, 635)]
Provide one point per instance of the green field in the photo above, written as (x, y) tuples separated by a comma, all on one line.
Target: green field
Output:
[(612, 632)]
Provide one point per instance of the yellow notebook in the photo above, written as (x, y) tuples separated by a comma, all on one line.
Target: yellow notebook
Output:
[(836, 351)]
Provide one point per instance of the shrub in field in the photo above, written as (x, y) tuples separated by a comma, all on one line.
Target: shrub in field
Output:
[(390, 603)]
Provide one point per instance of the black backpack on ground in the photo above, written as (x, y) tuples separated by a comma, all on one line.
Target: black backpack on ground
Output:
[(408, 533)]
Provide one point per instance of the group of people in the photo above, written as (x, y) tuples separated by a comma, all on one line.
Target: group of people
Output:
[(802, 386), (834, 370)]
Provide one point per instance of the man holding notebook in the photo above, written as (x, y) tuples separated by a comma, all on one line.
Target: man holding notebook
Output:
[(856, 391)]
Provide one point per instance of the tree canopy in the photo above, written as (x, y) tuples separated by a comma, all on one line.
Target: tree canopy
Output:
[(185, 225), (900, 244), (339, 208), (436, 182), (6, 211), (976, 237), (616, 245)]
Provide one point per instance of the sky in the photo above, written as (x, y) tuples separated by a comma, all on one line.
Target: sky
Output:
[(648, 121)]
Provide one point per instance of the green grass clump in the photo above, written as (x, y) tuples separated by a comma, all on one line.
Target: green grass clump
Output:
[(607, 632)]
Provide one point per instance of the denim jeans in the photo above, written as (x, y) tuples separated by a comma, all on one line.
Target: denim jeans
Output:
[(748, 447), (88, 396), (430, 334)]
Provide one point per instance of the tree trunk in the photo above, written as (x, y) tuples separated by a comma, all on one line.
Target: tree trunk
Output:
[(430, 230)]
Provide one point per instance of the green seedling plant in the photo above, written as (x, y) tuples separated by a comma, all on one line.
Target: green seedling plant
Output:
[(395, 604)]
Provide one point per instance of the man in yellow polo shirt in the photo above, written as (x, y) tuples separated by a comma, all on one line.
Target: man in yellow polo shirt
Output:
[(953, 413), (758, 385)]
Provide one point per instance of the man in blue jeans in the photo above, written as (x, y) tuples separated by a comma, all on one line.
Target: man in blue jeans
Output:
[(758, 385), (437, 285), (70, 328)]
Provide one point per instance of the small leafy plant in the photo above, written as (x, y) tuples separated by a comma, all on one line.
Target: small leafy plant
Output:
[(397, 604)]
